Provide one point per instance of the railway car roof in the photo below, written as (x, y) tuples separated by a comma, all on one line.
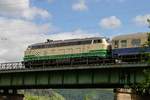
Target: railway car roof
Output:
[(130, 36), (66, 41)]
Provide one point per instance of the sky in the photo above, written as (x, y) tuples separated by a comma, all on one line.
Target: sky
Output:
[(24, 22)]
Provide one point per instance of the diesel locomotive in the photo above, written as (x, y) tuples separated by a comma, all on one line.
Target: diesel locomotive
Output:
[(94, 50), (66, 52)]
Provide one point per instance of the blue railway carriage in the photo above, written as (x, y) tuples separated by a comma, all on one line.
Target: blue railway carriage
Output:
[(129, 48)]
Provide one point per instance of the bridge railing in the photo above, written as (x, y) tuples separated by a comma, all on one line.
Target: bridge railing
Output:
[(11, 66), (21, 65)]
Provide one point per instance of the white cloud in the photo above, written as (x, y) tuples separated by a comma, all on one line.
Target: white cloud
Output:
[(34, 12), (80, 6), (141, 20), (74, 34), (21, 9), (110, 22), (16, 35)]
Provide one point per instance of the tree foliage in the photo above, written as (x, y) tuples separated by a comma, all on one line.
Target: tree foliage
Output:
[(143, 88), (91, 96), (56, 96), (53, 96)]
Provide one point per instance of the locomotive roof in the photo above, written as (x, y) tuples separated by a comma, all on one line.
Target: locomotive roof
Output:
[(67, 41), (130, 36)]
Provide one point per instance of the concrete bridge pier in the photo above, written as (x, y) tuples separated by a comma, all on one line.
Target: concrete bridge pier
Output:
[(128, 94), (123, 94)]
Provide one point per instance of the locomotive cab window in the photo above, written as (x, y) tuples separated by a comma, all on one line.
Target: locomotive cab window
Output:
[(123, 43), (98, 41), (136, 42)]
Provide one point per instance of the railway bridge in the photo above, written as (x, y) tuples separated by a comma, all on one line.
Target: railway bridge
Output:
[(14, 76)]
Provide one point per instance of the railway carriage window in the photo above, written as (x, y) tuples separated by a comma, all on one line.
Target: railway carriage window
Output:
[(136, 42), (116, 44), (123, 43)]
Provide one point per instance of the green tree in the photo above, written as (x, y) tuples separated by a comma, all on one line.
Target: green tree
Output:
[(53, 96), (29, 97), (56, 96), (143, 88), (91, 96)]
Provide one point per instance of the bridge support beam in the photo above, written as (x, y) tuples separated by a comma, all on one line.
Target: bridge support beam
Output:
[(128, 94)]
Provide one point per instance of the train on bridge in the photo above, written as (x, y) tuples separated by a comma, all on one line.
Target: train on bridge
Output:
[(94, 50)]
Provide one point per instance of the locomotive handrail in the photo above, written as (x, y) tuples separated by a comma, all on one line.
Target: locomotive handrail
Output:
[(21, 66), (11, 65), (120, 66)]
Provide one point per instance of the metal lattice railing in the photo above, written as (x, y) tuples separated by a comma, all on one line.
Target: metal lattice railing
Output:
[(43, 65), (11, 65)]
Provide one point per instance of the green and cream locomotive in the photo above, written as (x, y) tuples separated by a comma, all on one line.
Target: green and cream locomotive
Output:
[(66, 52)]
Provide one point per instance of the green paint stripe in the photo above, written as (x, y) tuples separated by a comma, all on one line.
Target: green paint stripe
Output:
[(99, 53), (102, 50)]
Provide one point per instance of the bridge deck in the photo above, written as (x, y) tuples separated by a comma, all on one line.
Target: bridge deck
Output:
[(92, 76)]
